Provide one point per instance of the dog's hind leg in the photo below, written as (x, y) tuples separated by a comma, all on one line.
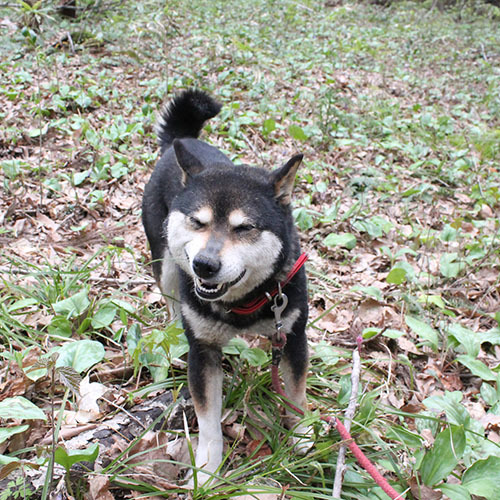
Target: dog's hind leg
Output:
[(205, 384)]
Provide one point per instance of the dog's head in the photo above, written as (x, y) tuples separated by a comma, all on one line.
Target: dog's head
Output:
[(230, 227)]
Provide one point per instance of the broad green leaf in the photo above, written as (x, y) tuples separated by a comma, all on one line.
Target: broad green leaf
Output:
[(21, 304), (80, 355), (133, 338), (483, 477), (7, 432), (157, 364), (367, 226), (492, 336), (303, 218), (370, 332), (104, 316), (92, 137), (489, 394), (255, 356), (403, 435), (344, 393), (72, 306), (455, 491), (178, 350), (124, 305), (476, 367), (297, 133), (449, 266), (34, 374), (423, 330), (393, 334), (60, 327), (21, 409), (346, 240), (68, 458), (79, 177), (235, 346), (268, 126), (432, 299), (375, 226), (371, 291), (396, 276), (467, 338), (6, 460), (444, 455), (327, 353), (451, 404), (448, 233), (484, 488)]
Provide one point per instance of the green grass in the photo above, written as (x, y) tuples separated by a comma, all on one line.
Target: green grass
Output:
[(397, 110)]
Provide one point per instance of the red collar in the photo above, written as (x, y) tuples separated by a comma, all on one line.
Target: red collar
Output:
[(257, 303)]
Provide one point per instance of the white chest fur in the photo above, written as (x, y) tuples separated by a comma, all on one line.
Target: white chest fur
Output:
[(218, 332)]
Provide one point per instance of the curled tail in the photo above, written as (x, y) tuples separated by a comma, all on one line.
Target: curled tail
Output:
[(184, 116)]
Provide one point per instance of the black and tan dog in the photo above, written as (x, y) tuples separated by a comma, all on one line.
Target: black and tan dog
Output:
[(222, 237)]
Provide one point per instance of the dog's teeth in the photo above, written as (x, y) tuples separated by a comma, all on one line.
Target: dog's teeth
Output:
[(209, 288)]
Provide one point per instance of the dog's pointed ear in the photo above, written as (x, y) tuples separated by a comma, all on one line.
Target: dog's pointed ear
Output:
[(284, 177), (189, 164)]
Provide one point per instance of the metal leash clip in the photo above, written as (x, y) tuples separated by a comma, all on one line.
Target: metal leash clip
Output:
[(278, 338)]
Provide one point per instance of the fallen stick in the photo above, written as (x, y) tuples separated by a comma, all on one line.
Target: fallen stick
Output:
[(344, 433), (349, 415)]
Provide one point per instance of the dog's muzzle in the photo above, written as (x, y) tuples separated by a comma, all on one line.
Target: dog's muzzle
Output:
[(213, 291)]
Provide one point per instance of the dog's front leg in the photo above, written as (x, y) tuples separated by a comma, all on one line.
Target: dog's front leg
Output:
[(205, 385), (294, 368)]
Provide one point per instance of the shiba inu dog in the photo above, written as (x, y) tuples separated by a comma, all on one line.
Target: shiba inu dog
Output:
[(222, 239)]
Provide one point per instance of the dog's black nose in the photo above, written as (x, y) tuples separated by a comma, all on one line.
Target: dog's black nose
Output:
[(205, 266)]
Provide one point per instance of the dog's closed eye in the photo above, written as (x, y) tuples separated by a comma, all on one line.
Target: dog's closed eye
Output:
[(243, 228), (197, 224)]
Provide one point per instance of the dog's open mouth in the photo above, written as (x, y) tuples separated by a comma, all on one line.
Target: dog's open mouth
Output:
[(213, 291)]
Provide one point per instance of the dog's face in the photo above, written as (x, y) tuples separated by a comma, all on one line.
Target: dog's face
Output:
[(226, 228)]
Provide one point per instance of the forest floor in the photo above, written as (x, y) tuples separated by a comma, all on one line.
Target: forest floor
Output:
[(397, 112)]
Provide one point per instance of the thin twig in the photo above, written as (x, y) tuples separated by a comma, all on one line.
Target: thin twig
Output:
[(349, 415), (70, 41), (94, 279)]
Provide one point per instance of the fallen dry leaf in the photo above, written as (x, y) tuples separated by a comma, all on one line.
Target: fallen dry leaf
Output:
[(154, 449), (258, 496), (337, 321), (422, 492), (263, 451), (99, 488), (88, 408)]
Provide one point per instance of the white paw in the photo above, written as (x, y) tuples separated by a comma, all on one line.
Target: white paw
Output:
[(302, 439), (208, 460), (202, 479), (301, 445)]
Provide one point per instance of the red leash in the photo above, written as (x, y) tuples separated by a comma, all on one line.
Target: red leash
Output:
[(334, 421), (257, 303), (279, 341)]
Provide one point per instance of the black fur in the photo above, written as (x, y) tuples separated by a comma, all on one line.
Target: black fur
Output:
[(185, 116)]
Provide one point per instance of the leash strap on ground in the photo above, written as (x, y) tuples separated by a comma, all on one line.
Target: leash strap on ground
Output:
[(362, 459)]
